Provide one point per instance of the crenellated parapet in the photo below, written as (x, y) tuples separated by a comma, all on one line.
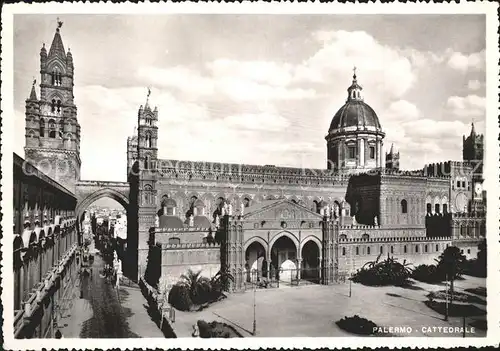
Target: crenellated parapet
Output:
[(189, 246), (395, 239), (159, 230), (247, 173)]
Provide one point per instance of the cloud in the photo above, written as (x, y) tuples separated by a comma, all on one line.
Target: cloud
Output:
[(380, 66), (465, 108), (259, 121), (402, 110), (464, 62), (474, 84)]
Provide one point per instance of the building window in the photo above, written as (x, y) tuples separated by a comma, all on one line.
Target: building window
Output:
[(351, 151), (357, 250), (343, 251), (58, 106), (392, 249), (53, 106), (468, 251), (368, 250), (42, 127), (462, 251), (436, 208), (445, 208), (416, 248), (463, 184), (52, 134), (405, 249), (437, 247), (429, 208), (381, 249), (148, 140), (426, 248), (372, 152), (458, 184), (404, 206)]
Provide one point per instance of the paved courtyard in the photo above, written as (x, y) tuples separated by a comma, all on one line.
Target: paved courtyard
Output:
[(313, 310)]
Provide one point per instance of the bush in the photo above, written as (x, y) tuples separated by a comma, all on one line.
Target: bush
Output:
[(357, 325), (387, 272), (427, 274), (216, 330), (180, 298)]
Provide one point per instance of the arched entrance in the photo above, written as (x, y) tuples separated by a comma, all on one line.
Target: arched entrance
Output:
[(256, 265), (310, 262), (284, 260)]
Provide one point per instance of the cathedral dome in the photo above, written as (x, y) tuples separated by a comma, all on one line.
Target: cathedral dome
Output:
[(354, 113)]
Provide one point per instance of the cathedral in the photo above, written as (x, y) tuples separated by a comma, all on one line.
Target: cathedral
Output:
[(321, 222)]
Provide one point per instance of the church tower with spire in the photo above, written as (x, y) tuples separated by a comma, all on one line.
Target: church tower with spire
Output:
[(392, 159), (52, 139)]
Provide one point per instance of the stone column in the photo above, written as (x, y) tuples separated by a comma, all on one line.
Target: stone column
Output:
[(339, 154), (268, 258), (299, 267), (358, 152), (381, 154), (361, 151)]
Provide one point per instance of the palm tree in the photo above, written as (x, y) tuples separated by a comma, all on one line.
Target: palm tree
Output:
[(481, 258), (451, 263), (196, 284)]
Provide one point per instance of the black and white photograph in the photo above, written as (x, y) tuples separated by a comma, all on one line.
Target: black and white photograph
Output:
[(263, 177)]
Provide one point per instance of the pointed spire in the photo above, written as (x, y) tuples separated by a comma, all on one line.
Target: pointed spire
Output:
[(33, 91), (147, 99), (473, 130), (57, 47)]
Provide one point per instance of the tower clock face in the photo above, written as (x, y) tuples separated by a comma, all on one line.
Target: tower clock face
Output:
[(461, 202)]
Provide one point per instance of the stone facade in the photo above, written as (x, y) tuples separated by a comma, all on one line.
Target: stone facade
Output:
[(44, 249)]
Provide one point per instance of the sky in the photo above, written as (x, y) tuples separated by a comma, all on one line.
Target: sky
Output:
[(261, 89)]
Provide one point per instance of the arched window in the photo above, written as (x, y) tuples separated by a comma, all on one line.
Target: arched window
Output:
[(42, 127), (426, 248), (148, 140), (53, 105), (405, 249), (416, 248), (246, 202), (342, 237), (429, 208), (445, 208), (147, 162), (368, 250), (58, 106), (52, 134), (381, 249), (343, 251), (436, 208), (357, 250), (392, 249), (404, 206)]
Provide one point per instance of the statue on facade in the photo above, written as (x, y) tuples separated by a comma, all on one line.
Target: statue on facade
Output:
[(375, 221), (327, 211), (230, 209), (157, 221), (191, 221), (336, 211), (242, 209), (354, 220), (217, 221)]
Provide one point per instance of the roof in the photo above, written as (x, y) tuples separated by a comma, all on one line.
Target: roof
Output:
[(354, 113), (171, 222)]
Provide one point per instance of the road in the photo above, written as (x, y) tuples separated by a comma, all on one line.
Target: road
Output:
[(109, 318)]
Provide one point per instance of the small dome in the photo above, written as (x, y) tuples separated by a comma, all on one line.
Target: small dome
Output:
[(171, 222), (201, 222), (354, 113)]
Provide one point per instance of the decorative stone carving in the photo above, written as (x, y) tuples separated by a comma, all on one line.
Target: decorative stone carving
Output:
[(375, 221), (354, 220), (191, 221)]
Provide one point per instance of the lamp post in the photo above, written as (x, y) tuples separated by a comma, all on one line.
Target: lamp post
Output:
[(446, 304), (254, 330)]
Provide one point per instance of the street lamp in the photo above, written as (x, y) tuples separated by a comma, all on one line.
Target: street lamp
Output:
[(254, 330)]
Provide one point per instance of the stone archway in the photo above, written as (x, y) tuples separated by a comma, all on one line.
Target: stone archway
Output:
[(255, 262), (284, 259), (310, 267)]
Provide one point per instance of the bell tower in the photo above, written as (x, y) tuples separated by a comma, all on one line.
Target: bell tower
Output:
[(52, 139)]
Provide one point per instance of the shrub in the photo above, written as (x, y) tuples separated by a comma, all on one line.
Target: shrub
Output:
[(179, 297), (357, 325), (216, 330), (427, 274), (387, 272)]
